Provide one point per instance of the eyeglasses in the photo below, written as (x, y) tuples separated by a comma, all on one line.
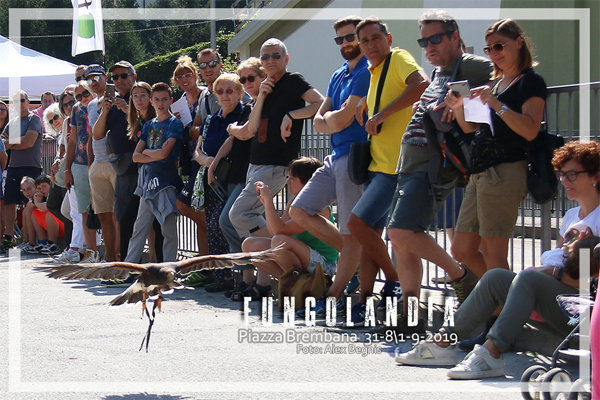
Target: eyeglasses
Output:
[(78, 78), (185, 76), (3, 109), (497, 47), (250, 79), (22, 100), (140, 96), (210, 64), (570, 175), (69, 104), (349, 38), (122, 76), (51, 120), (434, 39), (85, 94), (94, 79), (221, 91), (274, 56)]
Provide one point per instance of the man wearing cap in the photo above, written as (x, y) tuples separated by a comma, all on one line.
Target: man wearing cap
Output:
[(113, 119), (101, 173)]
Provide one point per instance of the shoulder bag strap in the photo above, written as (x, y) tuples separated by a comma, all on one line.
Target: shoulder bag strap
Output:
[(386, 66)]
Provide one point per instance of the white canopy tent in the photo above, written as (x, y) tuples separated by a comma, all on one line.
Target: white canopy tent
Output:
[(38, 72)]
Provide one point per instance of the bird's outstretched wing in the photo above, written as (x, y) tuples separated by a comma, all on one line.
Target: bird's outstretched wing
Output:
[(185, 267), (107, 271)]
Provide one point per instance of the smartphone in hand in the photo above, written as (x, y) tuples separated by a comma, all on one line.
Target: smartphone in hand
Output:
[(460, 88), (110, 90)]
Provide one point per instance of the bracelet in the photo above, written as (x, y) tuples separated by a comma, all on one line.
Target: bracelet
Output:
[(560, 273), (289, 115), (67, 170)]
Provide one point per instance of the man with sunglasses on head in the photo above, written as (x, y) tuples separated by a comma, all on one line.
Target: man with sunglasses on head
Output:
[(23, 136), (113, 120), (101, 173), (331, 182), (277, 118), (416, 205)]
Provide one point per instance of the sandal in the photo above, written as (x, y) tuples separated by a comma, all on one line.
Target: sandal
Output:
[(255, 292)]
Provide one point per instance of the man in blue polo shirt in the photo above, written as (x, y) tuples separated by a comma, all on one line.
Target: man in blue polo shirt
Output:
[(331, 182)]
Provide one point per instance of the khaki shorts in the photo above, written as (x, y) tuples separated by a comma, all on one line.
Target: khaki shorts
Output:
[(102, 184), (492, 198)]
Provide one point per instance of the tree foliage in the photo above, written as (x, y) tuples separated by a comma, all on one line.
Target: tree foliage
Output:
[(135, 44)]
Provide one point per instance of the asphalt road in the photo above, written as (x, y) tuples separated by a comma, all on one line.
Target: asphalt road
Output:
[(61, 340)]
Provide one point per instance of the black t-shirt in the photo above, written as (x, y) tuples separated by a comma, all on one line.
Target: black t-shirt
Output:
[(116, 123), (240, 152), (285, 97), (508, 145)]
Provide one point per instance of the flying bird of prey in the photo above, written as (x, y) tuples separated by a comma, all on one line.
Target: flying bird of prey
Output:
[(154, 278)]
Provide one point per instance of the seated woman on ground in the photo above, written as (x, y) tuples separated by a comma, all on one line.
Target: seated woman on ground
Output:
[(28, 232), (302, 250), (578, 167)]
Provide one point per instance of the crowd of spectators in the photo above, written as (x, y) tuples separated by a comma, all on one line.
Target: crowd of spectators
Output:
[(122, 154)]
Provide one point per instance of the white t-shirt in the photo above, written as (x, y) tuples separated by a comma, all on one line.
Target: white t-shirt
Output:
[(570, 229)]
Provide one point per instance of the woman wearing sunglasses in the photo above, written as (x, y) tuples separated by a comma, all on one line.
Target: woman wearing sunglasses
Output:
[(229, 92), (251, 74), (516, 99), (76, 165)]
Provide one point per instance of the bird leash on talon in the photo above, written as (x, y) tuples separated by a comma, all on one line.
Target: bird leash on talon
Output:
[(155, 279)]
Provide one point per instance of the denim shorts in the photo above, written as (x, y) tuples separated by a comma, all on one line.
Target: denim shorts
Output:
[(376, 201), (316, 257), (415, 205)]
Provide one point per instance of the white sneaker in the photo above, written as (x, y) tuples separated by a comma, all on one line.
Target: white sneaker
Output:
[(426, 353), (68, 258), (90, 257), (478, 364)]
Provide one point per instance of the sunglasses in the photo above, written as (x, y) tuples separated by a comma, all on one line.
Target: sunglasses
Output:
[(23, 100), (51, 120), (94, 79), (69, 104), (221, 91), (349, 38), (250, 78), (185, 76), (434, 39), (78, 78), (570, 175), (210, 64), (274, 56), (85, 94), (497, 47), (3, 109), (124, 75)]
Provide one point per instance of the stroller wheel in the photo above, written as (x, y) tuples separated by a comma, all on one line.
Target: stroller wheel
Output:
[(580, 390), (556, 384), (530, 382)]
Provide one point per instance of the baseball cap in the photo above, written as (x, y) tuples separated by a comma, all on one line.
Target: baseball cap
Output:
[(124, 64), (94, 69)]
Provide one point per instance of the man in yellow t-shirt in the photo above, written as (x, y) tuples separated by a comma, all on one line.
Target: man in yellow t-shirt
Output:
[(404, 83)]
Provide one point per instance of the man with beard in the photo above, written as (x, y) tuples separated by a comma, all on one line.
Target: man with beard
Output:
[(331, 182)]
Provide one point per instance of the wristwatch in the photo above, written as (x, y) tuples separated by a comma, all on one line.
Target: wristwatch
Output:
[(502, 110)]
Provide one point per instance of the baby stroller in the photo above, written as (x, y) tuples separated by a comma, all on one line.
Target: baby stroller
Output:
[(556, 384)]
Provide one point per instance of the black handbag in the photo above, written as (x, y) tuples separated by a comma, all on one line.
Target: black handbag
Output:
[(542, 182), (92, 221), (223, 169), (360, 157)]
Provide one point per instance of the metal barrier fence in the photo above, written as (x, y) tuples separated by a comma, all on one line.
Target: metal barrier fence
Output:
[(537, 226)]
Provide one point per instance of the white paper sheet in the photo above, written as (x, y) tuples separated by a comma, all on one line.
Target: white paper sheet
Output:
[(181, 107), (476, 111)]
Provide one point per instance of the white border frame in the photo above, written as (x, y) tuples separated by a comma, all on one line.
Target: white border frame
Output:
[(16, 15)]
